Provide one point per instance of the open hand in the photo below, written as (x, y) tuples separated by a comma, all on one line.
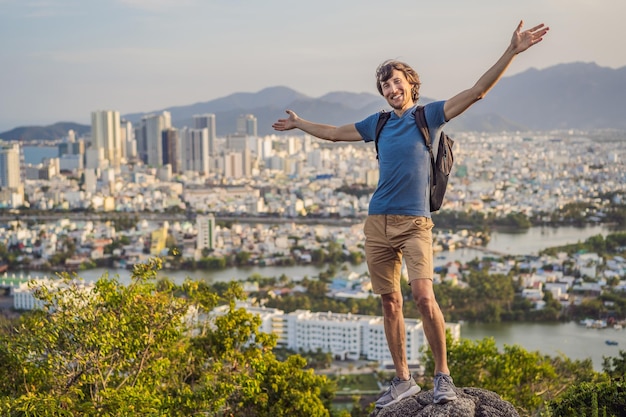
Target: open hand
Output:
[(521, 41), (286, 124)]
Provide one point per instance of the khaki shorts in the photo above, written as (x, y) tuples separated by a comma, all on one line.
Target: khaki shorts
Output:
[(389, 238)]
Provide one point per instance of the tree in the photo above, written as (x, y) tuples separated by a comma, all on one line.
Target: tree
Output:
[(615, 367), (605, 398), (149, 349), (526, 379)]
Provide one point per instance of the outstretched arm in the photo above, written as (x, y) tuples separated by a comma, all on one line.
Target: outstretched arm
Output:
[(346, 133), (520, 42)]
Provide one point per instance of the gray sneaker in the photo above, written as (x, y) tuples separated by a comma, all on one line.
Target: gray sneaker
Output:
[(398, 390), (444, 388)]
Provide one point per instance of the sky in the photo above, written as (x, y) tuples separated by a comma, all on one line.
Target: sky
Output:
[(62, 59)]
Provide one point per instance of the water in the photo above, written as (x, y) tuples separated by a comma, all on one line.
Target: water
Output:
[(569, 339), (35, 154), (529, 242), (538, 238), (296, 273)]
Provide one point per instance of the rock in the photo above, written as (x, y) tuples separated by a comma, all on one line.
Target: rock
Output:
[(471, 402)]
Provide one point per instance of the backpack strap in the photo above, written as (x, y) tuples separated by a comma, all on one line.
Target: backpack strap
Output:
[(422, 126), (383, 116)]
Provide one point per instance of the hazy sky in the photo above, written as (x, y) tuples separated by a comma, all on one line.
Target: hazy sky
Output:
[(62, 59)]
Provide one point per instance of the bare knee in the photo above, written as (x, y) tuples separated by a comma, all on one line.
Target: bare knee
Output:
[(426, 304), (392, 304)]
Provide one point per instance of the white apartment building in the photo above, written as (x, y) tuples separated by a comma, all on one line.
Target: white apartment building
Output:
[(206, 232), (234, 165), (11, 186), (23, 298), (106, 135), (345, 336), (10, 176)]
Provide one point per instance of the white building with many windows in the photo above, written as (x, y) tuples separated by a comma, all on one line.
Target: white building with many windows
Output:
[(345, 336)]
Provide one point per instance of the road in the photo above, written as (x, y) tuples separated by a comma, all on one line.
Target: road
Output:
[(42, 217)]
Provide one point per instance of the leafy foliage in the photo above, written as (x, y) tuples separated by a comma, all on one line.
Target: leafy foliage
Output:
[(526, 379), (150, 349), (607, 398)]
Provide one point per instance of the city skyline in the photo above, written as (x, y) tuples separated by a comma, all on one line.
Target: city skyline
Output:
[(66, 58)]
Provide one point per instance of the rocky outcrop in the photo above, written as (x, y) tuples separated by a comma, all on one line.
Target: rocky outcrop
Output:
[(471, 402)]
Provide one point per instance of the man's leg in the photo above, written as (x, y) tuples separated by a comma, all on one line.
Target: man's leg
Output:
[(432, 318), (435, 330), (403, 385), (384, 263), (395, 332)]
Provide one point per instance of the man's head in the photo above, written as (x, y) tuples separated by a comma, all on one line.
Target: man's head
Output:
[(385, 71)]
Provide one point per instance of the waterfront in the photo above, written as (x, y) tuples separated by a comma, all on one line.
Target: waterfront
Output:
[(527, 243), (570, 339), (535, 239), (34, 155)]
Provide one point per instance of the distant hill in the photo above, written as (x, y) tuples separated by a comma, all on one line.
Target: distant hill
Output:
[(51, 132), (566, 96)]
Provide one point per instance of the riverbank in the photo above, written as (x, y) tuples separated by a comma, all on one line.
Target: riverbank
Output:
[(529, 242), (576, 342)]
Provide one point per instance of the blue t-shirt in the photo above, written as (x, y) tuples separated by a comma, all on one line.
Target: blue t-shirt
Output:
[(404, 161)]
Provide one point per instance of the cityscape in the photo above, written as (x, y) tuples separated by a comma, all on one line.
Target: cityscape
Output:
[(127, 194), (168, 173), (283, 197)]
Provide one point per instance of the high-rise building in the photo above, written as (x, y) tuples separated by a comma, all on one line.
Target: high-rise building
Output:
[(237, 142), (247, 125), (94, 159), (266, 150), (200, 121), (195, 150), (234, 165), (105, 134), (171, 149), (206, 232), (129, 145), (10, 174), (149, 137)]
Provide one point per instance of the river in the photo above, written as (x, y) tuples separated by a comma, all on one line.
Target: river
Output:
[(569, 339)]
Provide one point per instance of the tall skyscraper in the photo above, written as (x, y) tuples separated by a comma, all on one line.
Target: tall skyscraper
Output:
[(129, 145), (247, 125), (195, 150), (105, 134), (11, 186), (149, 137), (200, 121), (10, 175), (171, 149)]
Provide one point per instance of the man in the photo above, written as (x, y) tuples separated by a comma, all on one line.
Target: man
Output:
[(399, 222)]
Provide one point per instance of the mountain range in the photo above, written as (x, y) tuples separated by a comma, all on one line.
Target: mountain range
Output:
[(576, 95)]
